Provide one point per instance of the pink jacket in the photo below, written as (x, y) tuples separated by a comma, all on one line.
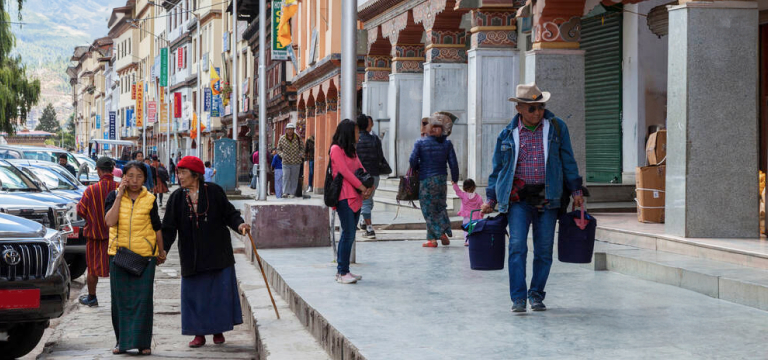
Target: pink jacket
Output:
[(341, 163), (469, 202)]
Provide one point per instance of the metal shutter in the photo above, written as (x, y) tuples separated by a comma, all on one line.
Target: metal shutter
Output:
[(601, 38)]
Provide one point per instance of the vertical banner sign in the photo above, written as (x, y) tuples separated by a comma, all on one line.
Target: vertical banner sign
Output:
[(164, 67), (106, 136), (133, 91), (140, 104), (112, 125), (162, 95), (129, 117), (177, 105), (207, 102), (181, 57), (278, 52), (216, 106), (98, 121), (151, 111)]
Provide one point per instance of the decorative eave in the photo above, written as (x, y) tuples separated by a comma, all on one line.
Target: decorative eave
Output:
[(134, 65), (183, 39), (373, 8), (327, 64), (190, 81)]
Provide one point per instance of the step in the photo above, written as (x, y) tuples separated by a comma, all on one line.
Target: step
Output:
[(730, 282), (601, 192)]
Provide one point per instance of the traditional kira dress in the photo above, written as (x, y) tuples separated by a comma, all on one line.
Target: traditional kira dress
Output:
[(210, 303)]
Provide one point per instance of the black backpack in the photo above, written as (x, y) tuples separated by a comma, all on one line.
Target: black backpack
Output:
[(332, 188), (162, 173)]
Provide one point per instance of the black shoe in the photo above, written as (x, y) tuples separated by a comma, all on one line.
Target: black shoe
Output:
[(537, 303), (362, 226), (84, 300), (370, 234), (518, 305)]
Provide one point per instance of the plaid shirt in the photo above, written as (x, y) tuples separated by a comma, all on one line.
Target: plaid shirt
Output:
[(91, 208), (531, 164)]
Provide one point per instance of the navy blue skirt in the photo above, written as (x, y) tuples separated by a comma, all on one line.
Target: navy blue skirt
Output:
[(210, 303)]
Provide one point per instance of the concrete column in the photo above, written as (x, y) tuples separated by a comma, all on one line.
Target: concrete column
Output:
[(493, 76), (712, 141), (405, 95), (561, 72), (376, 86), (445, 89)]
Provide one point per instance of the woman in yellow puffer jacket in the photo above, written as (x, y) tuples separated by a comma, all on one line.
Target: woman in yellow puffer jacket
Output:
[(134, 222)]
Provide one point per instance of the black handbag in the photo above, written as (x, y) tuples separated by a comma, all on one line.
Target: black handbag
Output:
[(332, 187), (130, 261), (384, 167), (365, 178), (408, 190)]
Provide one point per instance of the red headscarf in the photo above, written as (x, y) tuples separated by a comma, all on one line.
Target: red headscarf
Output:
[(192, 163)]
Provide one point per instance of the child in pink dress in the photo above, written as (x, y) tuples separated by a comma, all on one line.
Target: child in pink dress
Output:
[(469, 201)]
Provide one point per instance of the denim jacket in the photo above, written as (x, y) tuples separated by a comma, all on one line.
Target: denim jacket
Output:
[(430, 155), (559, 159)]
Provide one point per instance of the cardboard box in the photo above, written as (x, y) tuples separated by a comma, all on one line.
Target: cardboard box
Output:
[(656, 148), (650, 190)]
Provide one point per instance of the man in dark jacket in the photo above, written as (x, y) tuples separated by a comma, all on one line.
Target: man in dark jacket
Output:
[(371, 156)]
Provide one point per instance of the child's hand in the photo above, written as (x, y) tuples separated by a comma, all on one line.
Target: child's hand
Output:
[(453, 183)]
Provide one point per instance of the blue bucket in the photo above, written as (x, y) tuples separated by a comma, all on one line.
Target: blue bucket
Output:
[(487, 242)]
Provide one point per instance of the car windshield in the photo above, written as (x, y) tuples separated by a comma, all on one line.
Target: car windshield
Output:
[(62, 171), (11, 179), (40, 155), (52, 179)]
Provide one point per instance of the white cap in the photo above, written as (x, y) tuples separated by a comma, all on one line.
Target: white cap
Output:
[(290, 126)]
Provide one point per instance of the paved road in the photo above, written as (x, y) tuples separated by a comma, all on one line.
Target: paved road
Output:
[(86, 333)]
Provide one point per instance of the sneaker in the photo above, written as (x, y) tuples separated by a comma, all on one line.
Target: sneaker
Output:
[(92, 303), (537, 303), (518, 305), (309, 189), (345, 279), (358, 277), (369, 234), (361, 226)]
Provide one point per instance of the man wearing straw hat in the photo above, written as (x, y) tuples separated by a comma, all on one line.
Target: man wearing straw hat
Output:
[(533, 164)]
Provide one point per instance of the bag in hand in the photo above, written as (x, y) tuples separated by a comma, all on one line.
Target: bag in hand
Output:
[(576, 240), (132, 262), (332, 188), (409, 186), (384, 167), (364, 177)]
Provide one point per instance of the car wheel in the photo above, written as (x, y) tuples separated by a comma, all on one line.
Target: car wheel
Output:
[(22, 338), (77, 265)]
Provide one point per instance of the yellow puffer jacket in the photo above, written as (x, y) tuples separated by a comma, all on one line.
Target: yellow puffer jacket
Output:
[(134, 228)]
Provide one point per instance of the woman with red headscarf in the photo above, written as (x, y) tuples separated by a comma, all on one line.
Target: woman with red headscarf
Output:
[(199, 213)]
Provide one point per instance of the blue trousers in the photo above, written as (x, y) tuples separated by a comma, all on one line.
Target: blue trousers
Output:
[(311, 172), (348, 219), (279, 183), (521, 217)]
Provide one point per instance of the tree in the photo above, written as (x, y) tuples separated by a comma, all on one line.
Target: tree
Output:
[(48, 121), (66, 136), (17, 93)]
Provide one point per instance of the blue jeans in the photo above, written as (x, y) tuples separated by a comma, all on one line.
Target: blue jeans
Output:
[(279, 183), (348, 219), (368, 203), (311, 172), (521, 216)]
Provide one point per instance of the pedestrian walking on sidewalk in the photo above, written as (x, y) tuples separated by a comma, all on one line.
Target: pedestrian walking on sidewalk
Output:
[(344, 161), (277, 166), (161, 185), (309, 155), (291, 151), (371, 155), (96, 231), (209, 172), (200, 214), (134, 222), (172, 168), (255, 170), (430, 156), (469, 202), (533, 156)]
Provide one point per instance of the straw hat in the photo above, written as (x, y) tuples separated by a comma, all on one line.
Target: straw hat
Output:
[(530, 93)]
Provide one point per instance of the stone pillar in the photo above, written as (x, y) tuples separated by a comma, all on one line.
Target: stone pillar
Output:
[(404, 103), (493, 64), (376, 86), (712, 157), (445, 85), (561, 72)]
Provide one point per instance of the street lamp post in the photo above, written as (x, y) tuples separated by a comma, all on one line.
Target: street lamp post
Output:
[(349, 69), (262, 100)]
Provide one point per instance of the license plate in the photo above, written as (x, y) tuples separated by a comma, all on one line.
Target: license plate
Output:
[(20, 299), (75, 233)]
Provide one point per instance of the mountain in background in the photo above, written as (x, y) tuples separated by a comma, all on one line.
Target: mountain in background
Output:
[(47, 39)]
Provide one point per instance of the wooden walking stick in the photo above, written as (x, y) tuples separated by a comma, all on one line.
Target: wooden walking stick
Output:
[(258, 259)]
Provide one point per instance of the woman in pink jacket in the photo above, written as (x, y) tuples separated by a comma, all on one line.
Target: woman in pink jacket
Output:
[(344, 161)]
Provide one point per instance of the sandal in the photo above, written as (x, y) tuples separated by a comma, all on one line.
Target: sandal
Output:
[(445, 240), (146, 351), (430, 243), (116, 350)]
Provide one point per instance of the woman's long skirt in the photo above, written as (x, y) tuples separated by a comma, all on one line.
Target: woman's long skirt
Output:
[(132, 307), (432, 198), (210, 303)]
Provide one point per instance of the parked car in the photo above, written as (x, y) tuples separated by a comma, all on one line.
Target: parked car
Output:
[(52, 155), (34, 283), (91, 170), (14, 181)]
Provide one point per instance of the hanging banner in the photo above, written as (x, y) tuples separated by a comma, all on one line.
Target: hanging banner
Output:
[(112, 124), (133, 91), (216, 106), (106, 137), (140, 104), (180, 51), (129, 118), (151, 111), (163, 117), (162, 95), (279, 52), (177, 105), (164, 67), (207, 102), (98, 121)]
